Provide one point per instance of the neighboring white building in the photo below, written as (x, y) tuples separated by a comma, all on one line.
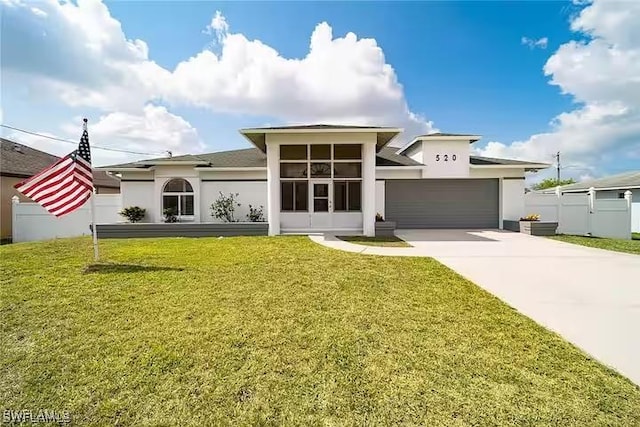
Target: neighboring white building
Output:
[(609, 187), (336, 178)]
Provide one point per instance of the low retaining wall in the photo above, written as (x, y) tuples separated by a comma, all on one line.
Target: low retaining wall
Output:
[(538, 228), (511, 225), (385, 228), (120, 231)]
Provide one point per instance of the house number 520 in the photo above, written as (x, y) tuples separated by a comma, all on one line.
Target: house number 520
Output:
[(445, 157)]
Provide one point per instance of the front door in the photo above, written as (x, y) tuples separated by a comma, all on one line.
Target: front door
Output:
[(321, 204)]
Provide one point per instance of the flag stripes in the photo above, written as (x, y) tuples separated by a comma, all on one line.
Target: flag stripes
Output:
[(64, 186)]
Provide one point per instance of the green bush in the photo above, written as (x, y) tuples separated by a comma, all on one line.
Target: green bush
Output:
[(133, 213), (224, 207), (170, 215), (256, 214)]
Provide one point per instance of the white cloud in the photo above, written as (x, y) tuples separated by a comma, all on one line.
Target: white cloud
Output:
[(39, 12), (603, 75), (341, 79), (534, 43), (218, 27), (154, 131), (98, 67)]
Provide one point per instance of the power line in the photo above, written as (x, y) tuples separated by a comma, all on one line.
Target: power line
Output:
[(76, 142)]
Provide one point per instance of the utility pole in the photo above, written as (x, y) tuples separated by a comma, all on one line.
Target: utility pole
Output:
[(557, 156)]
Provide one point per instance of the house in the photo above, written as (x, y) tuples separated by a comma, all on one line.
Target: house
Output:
[(18, 162), (609, 187), (336, 178)]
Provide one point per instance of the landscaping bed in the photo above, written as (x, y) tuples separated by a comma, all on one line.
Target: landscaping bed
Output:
[(386, 241)]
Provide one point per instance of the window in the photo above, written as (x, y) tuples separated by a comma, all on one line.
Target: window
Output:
[(347, 152), (293, 152), (347, 170), (177, 195), (321, 152), (347, 195), (301, 164), (293, 170), (321, 170), (294, 196)]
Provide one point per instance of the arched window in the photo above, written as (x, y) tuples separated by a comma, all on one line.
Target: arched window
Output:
[(177, 195)]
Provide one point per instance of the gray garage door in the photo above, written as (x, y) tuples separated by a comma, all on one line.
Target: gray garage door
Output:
[(442, 203)]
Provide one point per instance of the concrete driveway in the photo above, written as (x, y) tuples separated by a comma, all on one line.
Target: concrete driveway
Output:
[(589, 296)]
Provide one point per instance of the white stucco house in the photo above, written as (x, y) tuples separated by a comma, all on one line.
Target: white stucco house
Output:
[(335, 178)]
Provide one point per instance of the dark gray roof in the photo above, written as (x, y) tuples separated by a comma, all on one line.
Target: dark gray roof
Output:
[(621, 181), (479, 160), (246, 158), (388, 157), (253, 157), (22, 161), (249, 157)]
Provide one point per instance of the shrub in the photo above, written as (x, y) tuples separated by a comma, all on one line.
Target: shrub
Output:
[(170, 215), (531, 217), (224, 207), (256, 214), (133, 213)]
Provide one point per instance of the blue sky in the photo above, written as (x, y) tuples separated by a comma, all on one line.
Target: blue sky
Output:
[(457, 67)]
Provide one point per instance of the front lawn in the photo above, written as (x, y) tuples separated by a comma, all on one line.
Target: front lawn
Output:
[(280, 331), (618, 245), (387, 241)]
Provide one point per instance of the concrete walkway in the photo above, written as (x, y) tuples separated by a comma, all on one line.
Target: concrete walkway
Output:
[(589, 296)]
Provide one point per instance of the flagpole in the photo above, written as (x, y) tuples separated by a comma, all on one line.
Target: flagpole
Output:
[(96, 253)]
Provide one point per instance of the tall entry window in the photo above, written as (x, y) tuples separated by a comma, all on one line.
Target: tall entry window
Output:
[(302, 165), (177, 195)]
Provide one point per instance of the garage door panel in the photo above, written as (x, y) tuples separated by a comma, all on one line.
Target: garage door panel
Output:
[(442, 203)]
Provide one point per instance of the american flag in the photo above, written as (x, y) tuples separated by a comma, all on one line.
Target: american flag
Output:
[(66, 185)]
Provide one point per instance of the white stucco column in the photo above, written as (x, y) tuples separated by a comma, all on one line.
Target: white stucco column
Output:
[(197, 196), (273, 188), (369, 189), (512, 201)]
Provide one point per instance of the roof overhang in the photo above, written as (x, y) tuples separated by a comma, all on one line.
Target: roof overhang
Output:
[(257, 136), (124, 169), (470, 138), (172, 163), (143, 166), (528, 167)]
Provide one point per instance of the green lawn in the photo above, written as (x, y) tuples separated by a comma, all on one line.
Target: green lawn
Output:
[(280, 331), (618, 245), (390, 241)]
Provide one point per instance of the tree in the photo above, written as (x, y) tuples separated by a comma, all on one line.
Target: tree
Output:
[(552, 183)]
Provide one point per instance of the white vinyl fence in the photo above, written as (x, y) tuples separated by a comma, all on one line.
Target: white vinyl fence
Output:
[(635, 217), (32, 222), (584, 214)]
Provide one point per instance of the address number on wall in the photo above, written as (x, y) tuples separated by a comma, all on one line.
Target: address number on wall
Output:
[(446, 158)]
